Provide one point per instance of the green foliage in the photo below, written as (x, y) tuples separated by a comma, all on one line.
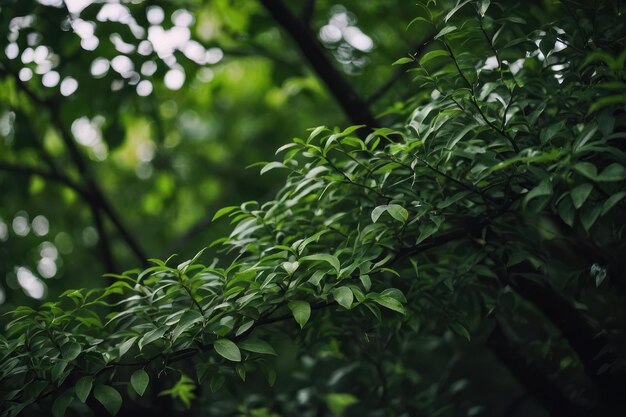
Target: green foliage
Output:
[(182, 390), (508, 173), (139, 381), (108, 397)]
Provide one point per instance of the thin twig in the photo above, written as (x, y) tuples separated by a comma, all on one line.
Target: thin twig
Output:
[(475, 102)]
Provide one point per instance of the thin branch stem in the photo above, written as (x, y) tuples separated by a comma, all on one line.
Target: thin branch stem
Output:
[(475, 102)]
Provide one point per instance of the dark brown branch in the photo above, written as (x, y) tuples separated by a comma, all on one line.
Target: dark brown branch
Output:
[(308, 9), (355, 108)]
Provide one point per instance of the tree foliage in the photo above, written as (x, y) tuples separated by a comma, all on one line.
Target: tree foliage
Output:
[(486, 214)]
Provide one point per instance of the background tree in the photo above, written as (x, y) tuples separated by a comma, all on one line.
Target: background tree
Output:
[(468, 223)]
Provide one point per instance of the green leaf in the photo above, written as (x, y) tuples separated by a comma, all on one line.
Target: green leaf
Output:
[(429, 56), (351, 129), (324, 257), (452, 199), (316, 132), (285, 147), (125, 347), (589, 215), (83, 388), (244, 327), (460, 330), (580, 193), (445, 31), (271, 376), (182, 390), (57, 370), (186, 321), (216, 383), (547, 133), (71, 350), (566, 211), (455, 9), (377, 212), (257, 346), (151, 336), (224, 211), (61, 403), (607, 101), (139, 381), (227, 349), (613, 172), (290, 267), (544, 188), (316, 277), (403, 61), (271, 166), (366, 281), (343, 296), (241, 372), (339, 402), (301, 311), (109, 398), (390, 303), (398, 212), (612, 201), (483, 6), (418, 19), (586, 169)]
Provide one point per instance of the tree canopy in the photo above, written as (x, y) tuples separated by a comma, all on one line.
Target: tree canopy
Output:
[(443, 236)]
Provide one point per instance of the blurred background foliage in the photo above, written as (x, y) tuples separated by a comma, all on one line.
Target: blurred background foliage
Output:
[(166, 103)]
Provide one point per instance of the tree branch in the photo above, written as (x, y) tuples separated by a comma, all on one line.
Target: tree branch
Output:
[(354, 106), (308, 9), (471, 225)]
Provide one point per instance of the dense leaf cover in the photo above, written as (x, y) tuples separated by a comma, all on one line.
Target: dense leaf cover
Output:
[(498, 186)]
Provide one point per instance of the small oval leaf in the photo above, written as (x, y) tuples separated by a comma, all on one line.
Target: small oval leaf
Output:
[(343, 296), (301, 311), (257, 346), (139, 381), (109, 398), (227, 349), (83, 388)]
